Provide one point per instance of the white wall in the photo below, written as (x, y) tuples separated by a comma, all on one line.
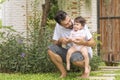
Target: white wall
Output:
[(78, 8), (14, 14), (94, 16), (90, 15), (17, 12)]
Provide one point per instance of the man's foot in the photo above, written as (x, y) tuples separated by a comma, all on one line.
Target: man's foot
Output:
[(86, 75), (63, 75), (87, 69)]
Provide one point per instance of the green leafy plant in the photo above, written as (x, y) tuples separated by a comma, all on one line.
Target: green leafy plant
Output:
[(96, 60), (54, 8), (26, 54), (88, 4)]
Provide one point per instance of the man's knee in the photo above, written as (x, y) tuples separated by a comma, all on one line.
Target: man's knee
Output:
[(53, 56), (49, 52)]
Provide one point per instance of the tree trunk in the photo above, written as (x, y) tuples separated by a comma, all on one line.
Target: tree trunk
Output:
[(45, 9)]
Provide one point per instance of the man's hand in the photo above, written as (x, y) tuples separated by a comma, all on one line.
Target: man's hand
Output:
[(91, 42), (62, 41), (79, 41)]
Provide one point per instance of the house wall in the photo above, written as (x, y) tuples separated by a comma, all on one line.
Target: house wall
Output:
[(78, 8), (17, 13), (14, 14)]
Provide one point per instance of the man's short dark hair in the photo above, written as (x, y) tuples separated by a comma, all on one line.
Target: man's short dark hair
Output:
[(60, 16), (80, 20)]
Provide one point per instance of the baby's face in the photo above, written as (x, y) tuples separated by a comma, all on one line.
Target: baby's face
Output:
[(77, 26)]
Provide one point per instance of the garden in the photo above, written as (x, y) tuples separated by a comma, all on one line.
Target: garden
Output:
[(26, 58)]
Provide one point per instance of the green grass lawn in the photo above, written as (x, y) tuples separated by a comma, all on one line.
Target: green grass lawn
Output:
[(40, 76), (48, 76)]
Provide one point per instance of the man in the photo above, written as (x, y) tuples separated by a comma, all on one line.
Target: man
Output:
[(57, 53)]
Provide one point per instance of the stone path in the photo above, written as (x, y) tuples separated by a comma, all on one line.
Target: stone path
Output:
[(101, 78), (107, 73)]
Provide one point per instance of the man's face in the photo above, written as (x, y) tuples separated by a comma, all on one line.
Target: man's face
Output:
[(67, 23)]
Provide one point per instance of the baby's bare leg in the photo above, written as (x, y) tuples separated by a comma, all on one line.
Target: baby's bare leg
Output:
[(86, 57), (69, 53)]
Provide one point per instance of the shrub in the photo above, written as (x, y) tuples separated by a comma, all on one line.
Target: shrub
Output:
[(29, 53), (11, 50), (95, 62), (20, 54)]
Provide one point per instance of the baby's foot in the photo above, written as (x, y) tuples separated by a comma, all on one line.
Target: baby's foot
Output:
[(87, 70), (68, 67)]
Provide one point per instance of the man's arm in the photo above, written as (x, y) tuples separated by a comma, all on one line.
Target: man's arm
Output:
[(57, 42), (61, 41), (91, 42)]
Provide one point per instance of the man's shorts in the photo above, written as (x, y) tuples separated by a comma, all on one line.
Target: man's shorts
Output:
[(77, 56)]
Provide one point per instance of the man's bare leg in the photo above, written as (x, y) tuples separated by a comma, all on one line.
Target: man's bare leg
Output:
[(56, 59), (82, 64)]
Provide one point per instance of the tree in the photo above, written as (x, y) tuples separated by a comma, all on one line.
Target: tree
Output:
[(46, 9)]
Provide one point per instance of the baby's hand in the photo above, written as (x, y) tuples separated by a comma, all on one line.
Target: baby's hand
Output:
[(71, 39), (63, 46), (63, 40)]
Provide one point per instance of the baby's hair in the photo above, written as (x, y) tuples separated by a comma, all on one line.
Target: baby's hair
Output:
[(80, 20)]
